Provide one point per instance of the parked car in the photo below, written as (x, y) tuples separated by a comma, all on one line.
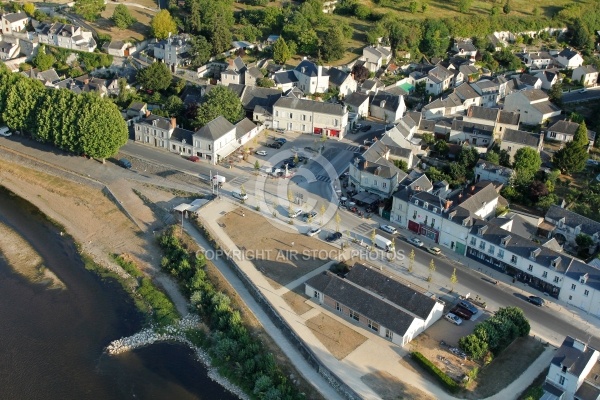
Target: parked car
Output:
[(388, 229), (295, 213), (281, 140), (453, 318), (538, 301), (261, 153), (368, 142), (194, 158), (358, 126), (4, 131), (309, 215), (313, 232), (275, 145), (333, 237), (415, 241), (462, 313), (366, 128), (469, 306), (434, 250), (125, 163)]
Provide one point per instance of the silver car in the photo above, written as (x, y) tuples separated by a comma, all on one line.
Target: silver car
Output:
[(453, 318), (388, 229), (415, 241), (313, 232)]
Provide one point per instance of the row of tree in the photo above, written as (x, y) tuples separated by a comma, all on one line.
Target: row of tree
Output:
[(495, 334), (78, 123), (238, 353)]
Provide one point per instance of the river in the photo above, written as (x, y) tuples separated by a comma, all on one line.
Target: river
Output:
[(52, 341)]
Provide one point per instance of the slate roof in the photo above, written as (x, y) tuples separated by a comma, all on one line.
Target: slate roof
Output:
[(451, 101), (473, 128), (587, 391), (237, 88), (587, 69), (392, 102), (5, 46), (496, 169), (136, 106), (479, 112), (540, 55), (572, 219), (255, 72), (465, 91), (545, 107), (509, 117), (534, 94), (568, 53), (116, 45), (521, 246), (15, 17), (439, 74), (549, 75), (356, 99), (310, 105), (237, 64), (564, 126), (573, 358), (578, 269), (161, 122), (215, 129), (371, 84), (256, 96), (373, 161), (411, 300), (337, 76), (485, 192), (363, 302), (466, 45), (307, 68), (284, 77), (521, 137), (528, 79), (243, 127), (181, 134)]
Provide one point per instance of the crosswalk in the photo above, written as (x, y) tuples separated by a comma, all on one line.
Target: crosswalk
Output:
[(353, 149), (323, 178), (239, 180), (364, 228)]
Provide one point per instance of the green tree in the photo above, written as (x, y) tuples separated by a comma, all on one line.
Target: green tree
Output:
[(156, 76), (492, 157), (527, 163), (555, 93), (162, 25), (42, 60), (428, 138), (265, 82), (220, 101), (200, 50), (103, 130), (441, 147), (401, 164), (22, 100), (413, 7), (122, 18), (572, 157), (436, 38), (333, 44), (504, 158), (281, 52), (464, 5), (468, 157), (506, 9), (173, 106), (221, 38), (89, 9), (580, 35), (423, 7), (56, 120), (29, 9), (517, 317), (584, 242), (473, 346)]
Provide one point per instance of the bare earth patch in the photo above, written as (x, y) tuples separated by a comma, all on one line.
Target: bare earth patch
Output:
[(297, 300), (339, 339), (137, 31), (281, 256), (391, 388), (25, 260)]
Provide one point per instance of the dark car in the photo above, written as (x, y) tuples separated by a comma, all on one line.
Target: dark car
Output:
[(194, 158), (333, 237), (366, 128), (275, 145), (281, 140), (468, 306), (125, 163), (290, 164), (538, 301), (462, 312)]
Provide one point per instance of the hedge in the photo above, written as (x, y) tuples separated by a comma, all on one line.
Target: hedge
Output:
[(441, 376)]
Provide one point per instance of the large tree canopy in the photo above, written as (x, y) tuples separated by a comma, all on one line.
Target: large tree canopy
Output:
[(156, 76), (573, 156), (122, 18), (527, 163), (281, 51), (436, 38), (220, 101), (163, 24), (89, 9)]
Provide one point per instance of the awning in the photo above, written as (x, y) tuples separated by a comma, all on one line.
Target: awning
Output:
[(182, 207)]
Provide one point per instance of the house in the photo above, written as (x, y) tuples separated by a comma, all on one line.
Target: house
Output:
[(285, 80), (235, 72), (13, 23), (568, 224), (489, 90), (581, 287), (118, 48), (309, 116), (382, 303), (359, 103), (538, 60), (486, 171), (173, 51), (307, 76), (569, 58), (154, 130), (495, 43), (371, 86), (442, 107), (8, 50), (245, 130), (66, 36), (564, 131), (465, 73), (258, 102), (136, 110), (549, 78), (465, 48), (586, 74), (49, 77), (439, 79), (342, 81), (513, 140), (374, 172), (252, 75), (387, 107), (375, 57), (533, 105), (471, 133), (500, 120), (528, 81), (467, 95), (573, 372), (215, 140)]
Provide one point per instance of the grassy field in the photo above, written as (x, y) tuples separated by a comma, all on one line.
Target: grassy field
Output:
[(138, 31)]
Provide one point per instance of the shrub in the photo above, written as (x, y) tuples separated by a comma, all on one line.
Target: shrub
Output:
[(441, 376)]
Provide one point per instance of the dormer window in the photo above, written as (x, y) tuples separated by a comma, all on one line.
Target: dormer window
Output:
[(482, 230), (426, 205), (435, 210), (555, 263), (535, 253), (505, 240), (416, 202), (583, 278), (466, 222), (451, 215)]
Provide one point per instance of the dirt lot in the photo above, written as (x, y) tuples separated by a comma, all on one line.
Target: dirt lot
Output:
[(338, 338), (137, 31), (297, 300), (281, 257), (390, 387)]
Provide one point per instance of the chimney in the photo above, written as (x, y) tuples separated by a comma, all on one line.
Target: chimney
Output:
[(366, 164), (148, 113), (473, 189), (173, 122), (320, 70), (447, 204)]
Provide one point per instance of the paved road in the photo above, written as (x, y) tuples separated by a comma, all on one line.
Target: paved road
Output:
[(577, 95)]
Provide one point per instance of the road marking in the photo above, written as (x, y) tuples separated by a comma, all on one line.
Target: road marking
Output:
[(323, 178), (353, 149), (364, 227), (239, 180)]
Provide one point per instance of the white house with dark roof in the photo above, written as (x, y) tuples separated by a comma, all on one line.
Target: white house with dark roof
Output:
[(472, 133), (245, 130), (465, 48), (173, 51), (487, 171), (439, 79), (342, 81), (568, 224), (586, 74), (118, 48), (564, 131), (9, 50), (467, 95), (581, 287), (215, 140), (528, 81), (538, 60), (549, 77), (573, 372), (384, 304), (66, 36), (375, 57), (358, 103), (13, 23), (569, 58), (309, 116), (534, 106), (235, 72), (387, 106), (489, 90), (513, 140), (252, 75), (307, 76), (443, 107), (154, 131), (49, 77), (499, 120)]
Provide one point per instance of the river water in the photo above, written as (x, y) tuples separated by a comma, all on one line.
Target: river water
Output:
[(52, 341)]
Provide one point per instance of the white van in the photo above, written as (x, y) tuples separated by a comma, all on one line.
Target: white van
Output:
[(4, 131), (239, 195)]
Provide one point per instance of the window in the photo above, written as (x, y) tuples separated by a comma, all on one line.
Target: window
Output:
[(586, 293), (316, 294), (530, 268), (573, 286), (335, 123), (556, 279), (210, 147), (552, 134), (426, 218), (570, 297), (354, 315), (473, 241), (277, 113), (373, 325), (561, 379), (303, 117), (337, 306), (374, 182), (491, 249), (389, 334), (482, 245), (545, 274), (500, 253), (383, 185), (513, 259), (291, 115), (415, 215), (400, 207)]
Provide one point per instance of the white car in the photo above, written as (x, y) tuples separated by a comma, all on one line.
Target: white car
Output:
[(388, 229), (261, 153), (4, 131), (453, 318), (294, 214), (313, 232), (415, 241)]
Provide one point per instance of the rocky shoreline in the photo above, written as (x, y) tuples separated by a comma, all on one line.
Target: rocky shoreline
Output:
[(174, 333)]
